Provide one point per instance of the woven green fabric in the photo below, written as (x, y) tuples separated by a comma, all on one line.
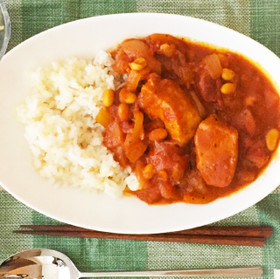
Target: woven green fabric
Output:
[(258, 19)]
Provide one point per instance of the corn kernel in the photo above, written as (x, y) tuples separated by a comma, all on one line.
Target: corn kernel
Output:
[(227, 74), (228, 88), (167, 49), (157, 134), (108, 97), (138, 64), (123, 111), (272, 139), (148, 171)]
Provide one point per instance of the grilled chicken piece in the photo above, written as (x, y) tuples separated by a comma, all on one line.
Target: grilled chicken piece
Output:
[(216, 147), (163, 99)]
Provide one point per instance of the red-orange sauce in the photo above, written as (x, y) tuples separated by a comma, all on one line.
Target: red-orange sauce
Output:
[(177, 94)]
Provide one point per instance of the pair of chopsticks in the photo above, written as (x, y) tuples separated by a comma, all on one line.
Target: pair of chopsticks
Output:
[(230, 235)]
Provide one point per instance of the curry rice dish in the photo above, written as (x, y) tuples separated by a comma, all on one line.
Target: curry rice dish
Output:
[(192, 122)]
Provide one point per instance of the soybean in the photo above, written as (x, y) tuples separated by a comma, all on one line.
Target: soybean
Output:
[(123, 111), (227, 74), (108, 97), (228, 88), (157, 134), (272, 139), (148, 171)]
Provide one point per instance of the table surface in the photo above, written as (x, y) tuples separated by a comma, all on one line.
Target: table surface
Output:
[(259, 19)]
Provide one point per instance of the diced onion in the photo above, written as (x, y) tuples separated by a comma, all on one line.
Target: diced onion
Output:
[(199, 105), (213, 65)]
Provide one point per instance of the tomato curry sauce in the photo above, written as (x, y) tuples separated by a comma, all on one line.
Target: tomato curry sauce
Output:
[(193, 122)]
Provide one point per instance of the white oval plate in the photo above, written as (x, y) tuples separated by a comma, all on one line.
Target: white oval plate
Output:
[(98, 211)]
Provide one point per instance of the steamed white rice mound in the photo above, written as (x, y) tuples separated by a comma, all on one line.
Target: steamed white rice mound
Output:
[(60, 127)]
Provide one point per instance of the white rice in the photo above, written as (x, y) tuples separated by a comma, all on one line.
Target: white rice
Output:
[(60, 127)]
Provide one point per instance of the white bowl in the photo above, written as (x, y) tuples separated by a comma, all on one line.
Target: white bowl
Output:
[(98, 211)]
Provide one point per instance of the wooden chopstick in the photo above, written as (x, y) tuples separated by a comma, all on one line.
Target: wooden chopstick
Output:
[(249, 236), (205, 239), (254, 231)]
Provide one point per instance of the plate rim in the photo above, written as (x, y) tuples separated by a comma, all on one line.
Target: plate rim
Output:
[(259, 197)]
